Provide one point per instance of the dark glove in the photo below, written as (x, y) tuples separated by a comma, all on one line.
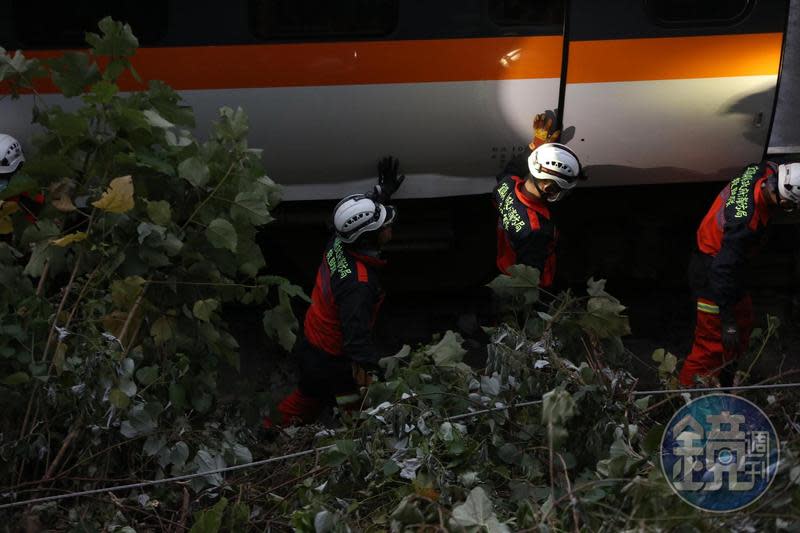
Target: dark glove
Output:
[(730, 333), (388, 179)]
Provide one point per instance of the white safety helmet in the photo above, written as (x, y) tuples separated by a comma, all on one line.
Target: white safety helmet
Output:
[(789, 182), (11, 156), (357, 214), (557, 163)]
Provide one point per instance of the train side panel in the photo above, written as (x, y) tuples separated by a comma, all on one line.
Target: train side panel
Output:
[(454, 111), (658, 97), (647, 102)]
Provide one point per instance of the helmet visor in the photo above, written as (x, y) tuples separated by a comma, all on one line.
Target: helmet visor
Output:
[(551, 190)]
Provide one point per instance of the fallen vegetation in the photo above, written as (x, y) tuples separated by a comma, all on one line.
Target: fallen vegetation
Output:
[(112, 337)]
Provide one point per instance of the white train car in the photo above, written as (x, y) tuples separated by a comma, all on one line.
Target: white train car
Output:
[(651, 91)]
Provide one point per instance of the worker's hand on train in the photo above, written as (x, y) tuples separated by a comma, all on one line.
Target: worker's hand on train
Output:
[(361, 376), (542, 124), (389, 178)]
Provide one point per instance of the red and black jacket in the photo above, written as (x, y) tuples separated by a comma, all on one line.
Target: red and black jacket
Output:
[(731, 233), (344, 304), (526, 233)]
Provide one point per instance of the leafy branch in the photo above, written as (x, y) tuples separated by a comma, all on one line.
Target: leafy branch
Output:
[(92, 357)]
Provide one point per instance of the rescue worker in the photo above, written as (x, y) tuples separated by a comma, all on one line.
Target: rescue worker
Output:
[(542, 174), (337, 353), (12, 159), (729, 235)]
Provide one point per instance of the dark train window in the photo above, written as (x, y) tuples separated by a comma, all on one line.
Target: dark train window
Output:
[(322, 19), (526, 12), (64, 24), (695, 12)]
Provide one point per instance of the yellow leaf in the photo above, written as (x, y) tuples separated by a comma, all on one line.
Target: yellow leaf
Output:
[(119, 196), (6, 210), (60, 192), (64, 204), (66, 240), (114, 323), (58, 358)]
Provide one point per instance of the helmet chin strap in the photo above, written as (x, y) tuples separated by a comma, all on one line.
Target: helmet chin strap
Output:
[(542, 193), (771, 185), (539, 189)]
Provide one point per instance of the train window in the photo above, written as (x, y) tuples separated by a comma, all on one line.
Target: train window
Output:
[(322, 19), (693, 12), (526, 12), (64, 24)]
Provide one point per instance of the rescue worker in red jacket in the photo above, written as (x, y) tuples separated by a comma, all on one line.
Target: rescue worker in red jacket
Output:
[(729, 235), (542, 174), (337, 352), (12, 159)]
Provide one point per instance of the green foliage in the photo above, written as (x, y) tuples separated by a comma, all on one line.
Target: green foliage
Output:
[(111, 312), (112, 338), (210, 520), (519, 289), (406, 446), (667, 367), (571, 452), (18, 72), (476, 514)]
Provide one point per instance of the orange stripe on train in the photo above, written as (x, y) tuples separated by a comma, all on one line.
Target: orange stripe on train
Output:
[(351, 63), (421, 61), (674, 58)]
